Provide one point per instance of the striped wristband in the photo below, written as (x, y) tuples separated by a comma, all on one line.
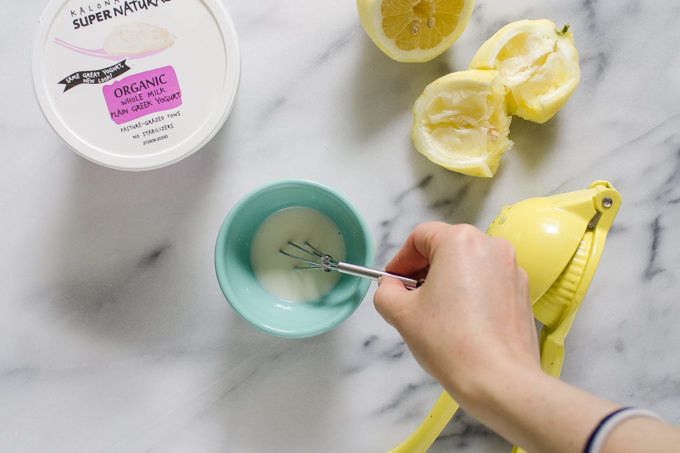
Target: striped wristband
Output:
[(606, 426)]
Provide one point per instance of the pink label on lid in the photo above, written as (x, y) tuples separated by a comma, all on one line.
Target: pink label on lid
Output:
[(142, 94)]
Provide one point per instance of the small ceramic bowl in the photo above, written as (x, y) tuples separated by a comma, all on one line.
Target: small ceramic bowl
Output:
[(242, 289)]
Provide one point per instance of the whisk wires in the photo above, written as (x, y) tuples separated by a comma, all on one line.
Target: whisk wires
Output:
[(325, 263)]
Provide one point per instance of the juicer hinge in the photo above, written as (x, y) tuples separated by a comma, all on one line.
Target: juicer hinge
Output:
[(607, 202), (593, 222)]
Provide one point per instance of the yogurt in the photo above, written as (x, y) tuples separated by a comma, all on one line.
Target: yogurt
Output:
[(137, 37), (136, 84)]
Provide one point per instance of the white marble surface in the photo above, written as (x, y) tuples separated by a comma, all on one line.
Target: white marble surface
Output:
[(115, 337)]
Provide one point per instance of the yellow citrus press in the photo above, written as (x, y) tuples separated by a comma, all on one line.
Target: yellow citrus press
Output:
[(558, 242)]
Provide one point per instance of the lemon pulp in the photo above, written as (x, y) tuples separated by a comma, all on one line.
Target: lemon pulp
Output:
[(414, 30), (461, 122), (421, 25)]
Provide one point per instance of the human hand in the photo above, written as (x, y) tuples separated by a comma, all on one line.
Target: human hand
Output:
[(472, 328), (472, 318)]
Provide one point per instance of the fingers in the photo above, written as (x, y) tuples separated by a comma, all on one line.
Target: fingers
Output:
[(391, 299), (414, 256)]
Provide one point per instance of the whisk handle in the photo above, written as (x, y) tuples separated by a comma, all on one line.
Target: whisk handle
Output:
[(374, 274)]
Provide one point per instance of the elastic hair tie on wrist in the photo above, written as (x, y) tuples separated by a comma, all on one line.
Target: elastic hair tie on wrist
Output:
[(611, 421)]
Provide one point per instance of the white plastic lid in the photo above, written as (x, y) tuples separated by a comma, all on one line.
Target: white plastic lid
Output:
[(136, 84)]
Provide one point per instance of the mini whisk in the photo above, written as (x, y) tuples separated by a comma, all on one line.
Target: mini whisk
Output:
[(327, 263)]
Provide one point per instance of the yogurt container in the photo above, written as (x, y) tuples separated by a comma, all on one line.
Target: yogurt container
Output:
[(136, 84)]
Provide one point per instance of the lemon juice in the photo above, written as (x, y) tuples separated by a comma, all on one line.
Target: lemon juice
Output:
[(279, 274)]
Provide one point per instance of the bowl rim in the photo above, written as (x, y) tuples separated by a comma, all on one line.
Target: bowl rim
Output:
[(230, 294)]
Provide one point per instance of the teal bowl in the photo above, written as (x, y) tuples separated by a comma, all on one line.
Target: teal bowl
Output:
[(243, 291)]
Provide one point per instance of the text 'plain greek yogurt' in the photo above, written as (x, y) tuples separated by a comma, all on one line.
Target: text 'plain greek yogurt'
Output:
[(135, 84)]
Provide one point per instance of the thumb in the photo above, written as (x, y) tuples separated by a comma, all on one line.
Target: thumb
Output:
[(391, 298)]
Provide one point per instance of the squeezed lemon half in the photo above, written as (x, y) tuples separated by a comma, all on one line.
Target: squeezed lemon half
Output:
[(538, 64), (462, 123), (462, 120), (414, 30)]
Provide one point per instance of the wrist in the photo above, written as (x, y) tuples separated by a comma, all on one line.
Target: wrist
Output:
[(489, 381), (532, 409), (495, 387)]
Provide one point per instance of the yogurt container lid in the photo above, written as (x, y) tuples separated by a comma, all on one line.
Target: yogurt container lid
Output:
[(136, 84)]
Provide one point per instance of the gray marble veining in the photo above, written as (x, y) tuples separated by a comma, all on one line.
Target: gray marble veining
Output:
[(115, 337)]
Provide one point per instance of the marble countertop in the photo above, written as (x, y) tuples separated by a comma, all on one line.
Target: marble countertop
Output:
[(115, 336)]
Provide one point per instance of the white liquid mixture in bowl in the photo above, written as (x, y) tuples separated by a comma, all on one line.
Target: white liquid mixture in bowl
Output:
[(276, 272), (262, 285)]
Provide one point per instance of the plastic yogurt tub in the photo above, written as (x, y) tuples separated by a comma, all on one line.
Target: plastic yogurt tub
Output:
[(136, 84)]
